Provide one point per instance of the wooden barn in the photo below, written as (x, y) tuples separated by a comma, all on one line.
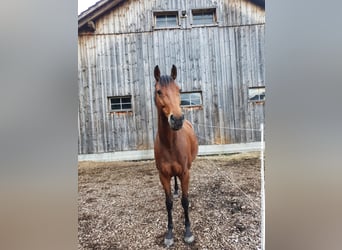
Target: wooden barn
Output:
[(217, 46)]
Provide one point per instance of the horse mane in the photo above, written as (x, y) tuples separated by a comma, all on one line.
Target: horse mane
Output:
[(165, 80)]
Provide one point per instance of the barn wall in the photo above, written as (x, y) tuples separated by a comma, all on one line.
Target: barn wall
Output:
[(222, 61), (137, 15)]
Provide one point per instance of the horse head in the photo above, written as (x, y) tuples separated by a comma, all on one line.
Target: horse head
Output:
[(167, 98)]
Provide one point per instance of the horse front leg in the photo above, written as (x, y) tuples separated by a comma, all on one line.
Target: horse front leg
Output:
[(169, 235), (166, 182), (188, 236)]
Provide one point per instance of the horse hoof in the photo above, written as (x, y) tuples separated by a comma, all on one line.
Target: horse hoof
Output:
[(175, 195), (168, 242), (189, 239)]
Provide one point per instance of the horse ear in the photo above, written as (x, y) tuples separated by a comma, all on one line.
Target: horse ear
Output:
[(174, 72), (157, 73)]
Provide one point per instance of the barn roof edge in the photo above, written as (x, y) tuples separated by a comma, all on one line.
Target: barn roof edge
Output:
[(96, 10), (102, 6)]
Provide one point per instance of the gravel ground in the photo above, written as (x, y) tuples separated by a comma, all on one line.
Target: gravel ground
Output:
[(121, 205)]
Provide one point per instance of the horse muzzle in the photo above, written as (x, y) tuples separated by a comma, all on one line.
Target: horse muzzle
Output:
[(176, 123)]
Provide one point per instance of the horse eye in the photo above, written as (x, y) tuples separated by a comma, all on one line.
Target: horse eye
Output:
[(159, 92)]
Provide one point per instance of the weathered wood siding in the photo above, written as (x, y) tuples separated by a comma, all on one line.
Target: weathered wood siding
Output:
[(222, 61)]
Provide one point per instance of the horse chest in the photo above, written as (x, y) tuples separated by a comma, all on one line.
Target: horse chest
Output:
[(171, 168), (171, 161)]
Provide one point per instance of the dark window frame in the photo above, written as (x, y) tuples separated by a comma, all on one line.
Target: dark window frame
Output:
[(120, 102), (157, 14), (190, 100), (202, 12), (256, 94)]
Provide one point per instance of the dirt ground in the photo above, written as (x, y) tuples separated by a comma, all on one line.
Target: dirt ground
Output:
[(121, 205)]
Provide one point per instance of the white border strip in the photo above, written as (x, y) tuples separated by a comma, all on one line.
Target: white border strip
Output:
[(148, 154), (262, 171)]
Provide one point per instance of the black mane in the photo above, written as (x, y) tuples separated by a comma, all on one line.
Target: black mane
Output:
[(165, 80)]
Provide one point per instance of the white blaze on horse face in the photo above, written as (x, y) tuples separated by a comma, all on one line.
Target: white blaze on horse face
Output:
[(169, 119)]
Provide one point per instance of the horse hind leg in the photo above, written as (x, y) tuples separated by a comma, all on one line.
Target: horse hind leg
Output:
[(175, 193)]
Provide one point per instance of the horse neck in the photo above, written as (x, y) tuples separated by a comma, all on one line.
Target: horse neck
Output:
[(166, 134)]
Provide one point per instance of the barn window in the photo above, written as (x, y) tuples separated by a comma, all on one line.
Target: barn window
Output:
[(203, 16), (166, 19), (189, 99), (120, 103), (256, 94)]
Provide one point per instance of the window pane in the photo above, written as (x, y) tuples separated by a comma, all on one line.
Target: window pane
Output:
[(185, 96), (116, 106), (126, 100), (120, 103), (115, 100), (203, 17), (126, 106), (256, 94), (185, 99), (191, 99), (195, 99), (171, 20), (166, 20), (161, 22)]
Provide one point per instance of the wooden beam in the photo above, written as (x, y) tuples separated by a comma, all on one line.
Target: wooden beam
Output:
[(92, 14)]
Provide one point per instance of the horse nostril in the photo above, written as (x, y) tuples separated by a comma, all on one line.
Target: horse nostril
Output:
[(172, 117)]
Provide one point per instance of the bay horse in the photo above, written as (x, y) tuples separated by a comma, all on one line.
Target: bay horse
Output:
[(175, 147)]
